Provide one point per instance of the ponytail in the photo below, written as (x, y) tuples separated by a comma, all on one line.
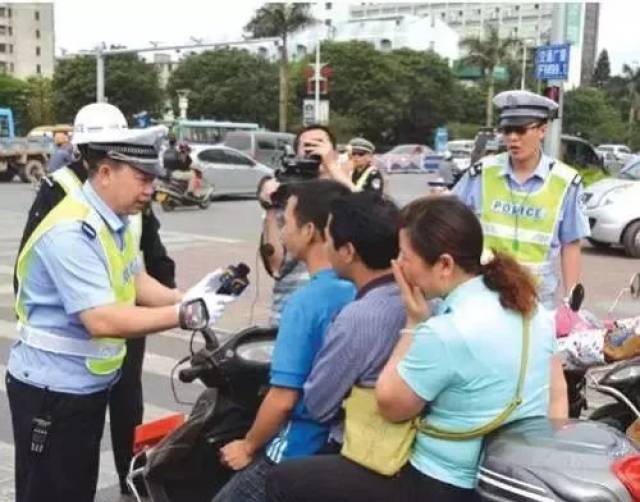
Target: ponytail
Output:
[(513, 283)]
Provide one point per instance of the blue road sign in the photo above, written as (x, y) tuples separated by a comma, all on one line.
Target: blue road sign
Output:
[(552, 62)]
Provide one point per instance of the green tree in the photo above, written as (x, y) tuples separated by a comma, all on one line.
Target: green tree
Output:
[(588, 113), (389, 97), (602, 72), (131, 84), (280, 20), (229, 84), (13, 95), (40, 101), (632, 80), (487, 53)]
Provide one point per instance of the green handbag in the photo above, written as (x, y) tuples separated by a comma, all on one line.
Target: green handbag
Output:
[(385, 447)]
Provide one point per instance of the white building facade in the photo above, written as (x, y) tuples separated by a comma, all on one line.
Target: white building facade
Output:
[(27, 40)]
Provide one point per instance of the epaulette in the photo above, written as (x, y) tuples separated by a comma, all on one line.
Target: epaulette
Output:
[(88, 230), (577, 179), (49, 181), (475, 169)]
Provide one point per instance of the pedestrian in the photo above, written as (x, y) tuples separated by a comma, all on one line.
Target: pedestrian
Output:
[(529, 204), (63, 153), (125, 400), (81, 293)]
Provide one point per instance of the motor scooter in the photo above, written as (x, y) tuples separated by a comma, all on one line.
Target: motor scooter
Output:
[(528, 460)]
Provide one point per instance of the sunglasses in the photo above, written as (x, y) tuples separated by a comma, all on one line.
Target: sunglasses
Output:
[(519, 130), (359, 154)]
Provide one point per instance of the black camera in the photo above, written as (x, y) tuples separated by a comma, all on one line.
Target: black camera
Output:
[(292, 170)]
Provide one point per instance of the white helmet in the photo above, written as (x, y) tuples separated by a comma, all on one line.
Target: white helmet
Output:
[(99, 123)]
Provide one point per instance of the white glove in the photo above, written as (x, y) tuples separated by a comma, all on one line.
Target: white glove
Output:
[(209, 283), (215, 305)]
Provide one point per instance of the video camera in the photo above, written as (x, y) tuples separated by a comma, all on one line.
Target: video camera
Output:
[(292, 170)]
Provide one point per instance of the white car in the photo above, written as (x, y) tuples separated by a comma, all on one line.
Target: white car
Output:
[(228, 171), (614, 156), (613, 210)]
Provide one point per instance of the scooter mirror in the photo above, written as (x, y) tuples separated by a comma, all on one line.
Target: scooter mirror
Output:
[(576, 297), (634, 286)]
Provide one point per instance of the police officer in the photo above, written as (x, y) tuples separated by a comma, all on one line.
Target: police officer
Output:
[(529, 203), (125, 399), (81, 293), (365, 175)]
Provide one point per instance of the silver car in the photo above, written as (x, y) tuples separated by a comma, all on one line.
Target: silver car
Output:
[(227, 170), (613, 210)]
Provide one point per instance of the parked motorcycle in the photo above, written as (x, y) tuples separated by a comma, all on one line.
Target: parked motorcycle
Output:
[(621, 381), (172, 193), (533, 459)]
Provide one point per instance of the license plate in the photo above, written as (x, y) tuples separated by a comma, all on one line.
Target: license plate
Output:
[(161, 196)]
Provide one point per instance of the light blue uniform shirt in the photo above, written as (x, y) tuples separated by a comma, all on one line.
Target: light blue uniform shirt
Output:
[(573, 224), (68, 274), (466, 363)]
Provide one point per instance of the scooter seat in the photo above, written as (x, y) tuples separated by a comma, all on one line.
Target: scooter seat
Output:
[(540, 459)]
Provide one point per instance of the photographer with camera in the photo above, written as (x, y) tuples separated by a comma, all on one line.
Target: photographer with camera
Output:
[(289, 274)]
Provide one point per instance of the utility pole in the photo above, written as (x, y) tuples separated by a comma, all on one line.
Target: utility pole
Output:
[(552, 141), (316, 76), (99, 74)]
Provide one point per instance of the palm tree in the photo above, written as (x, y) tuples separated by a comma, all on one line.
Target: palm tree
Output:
[(279, 20), (488, 52), (632, 77)]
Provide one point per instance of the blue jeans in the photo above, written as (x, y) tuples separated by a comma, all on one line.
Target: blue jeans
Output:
[(248, 485)]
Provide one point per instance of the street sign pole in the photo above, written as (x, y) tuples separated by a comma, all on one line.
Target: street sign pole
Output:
[(552, 141)]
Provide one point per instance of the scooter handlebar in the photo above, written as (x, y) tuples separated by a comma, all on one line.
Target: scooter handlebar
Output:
[(188, 375)]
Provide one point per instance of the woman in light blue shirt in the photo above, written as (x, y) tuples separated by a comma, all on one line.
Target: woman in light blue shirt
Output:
[(464, 363)]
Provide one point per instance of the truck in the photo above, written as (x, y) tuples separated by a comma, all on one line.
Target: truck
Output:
[(25, 157)]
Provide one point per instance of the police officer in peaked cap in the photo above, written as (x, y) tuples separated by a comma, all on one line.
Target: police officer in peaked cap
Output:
[(529, 203), (82, 292), (365, 174)]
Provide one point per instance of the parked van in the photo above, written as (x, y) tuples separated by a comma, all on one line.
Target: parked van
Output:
[(262, 146)]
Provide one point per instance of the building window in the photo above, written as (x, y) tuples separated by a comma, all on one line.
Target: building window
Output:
[(3, 12), (443, 15), (3, 30), (3, 68), (461, 13), (10, 48), (385, 44), (37, 51), (37, 33), (327, 22), (536, 6), (9, 12), (38, 69), (10, 31), (327, 5), (3, 48), (37, 15), (517, 8)]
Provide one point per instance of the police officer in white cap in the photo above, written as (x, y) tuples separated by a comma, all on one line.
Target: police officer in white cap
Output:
[(365, 174), (529, 203)]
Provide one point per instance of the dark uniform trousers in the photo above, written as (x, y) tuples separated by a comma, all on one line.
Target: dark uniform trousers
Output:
[(67, 468), (126, 408)]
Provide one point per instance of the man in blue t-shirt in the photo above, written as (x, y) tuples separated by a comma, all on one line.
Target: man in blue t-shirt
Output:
[(283, 427)]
